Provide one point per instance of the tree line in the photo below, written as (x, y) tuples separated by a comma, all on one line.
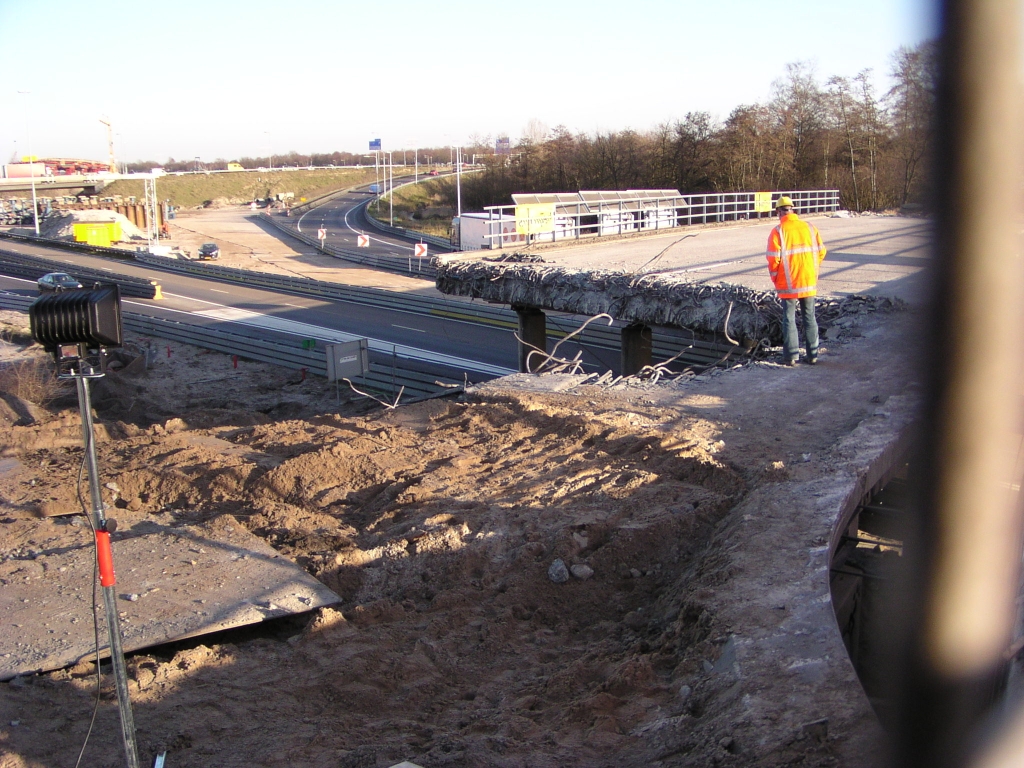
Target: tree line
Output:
[(839, 134)]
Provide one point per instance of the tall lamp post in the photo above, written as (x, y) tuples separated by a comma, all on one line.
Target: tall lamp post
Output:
[(31, 168), (458, 180)]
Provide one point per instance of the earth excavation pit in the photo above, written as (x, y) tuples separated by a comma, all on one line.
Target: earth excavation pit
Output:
[(539, 572)]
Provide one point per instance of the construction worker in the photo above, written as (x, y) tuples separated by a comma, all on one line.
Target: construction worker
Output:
[(794, 252)]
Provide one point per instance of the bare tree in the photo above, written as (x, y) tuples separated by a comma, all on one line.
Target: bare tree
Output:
[(911, 103)]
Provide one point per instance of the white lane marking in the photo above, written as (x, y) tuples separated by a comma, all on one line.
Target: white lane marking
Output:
[(297, 306), (407, 328), (218, 290), (298, 226), (372, 239), (191, 298)]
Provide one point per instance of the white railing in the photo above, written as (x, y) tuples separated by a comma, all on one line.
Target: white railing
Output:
[(602, 218)]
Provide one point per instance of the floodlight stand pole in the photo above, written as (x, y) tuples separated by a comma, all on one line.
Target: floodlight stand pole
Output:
[(106, 567)]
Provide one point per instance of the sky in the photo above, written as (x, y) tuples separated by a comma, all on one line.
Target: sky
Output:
[(227, 79)]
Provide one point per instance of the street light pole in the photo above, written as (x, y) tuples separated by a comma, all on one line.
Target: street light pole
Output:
[(458, 181), (31, 169)]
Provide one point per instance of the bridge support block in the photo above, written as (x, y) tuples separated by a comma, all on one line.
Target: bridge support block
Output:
[(637, 348), (533, 332)]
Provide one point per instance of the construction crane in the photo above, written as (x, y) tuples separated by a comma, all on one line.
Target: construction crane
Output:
[(110, 144)]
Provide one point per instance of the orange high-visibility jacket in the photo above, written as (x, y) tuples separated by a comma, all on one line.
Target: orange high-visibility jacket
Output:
[(794, 252)]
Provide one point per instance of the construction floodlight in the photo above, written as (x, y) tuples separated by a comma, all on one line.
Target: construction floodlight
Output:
[(72, 325), (87, 318)]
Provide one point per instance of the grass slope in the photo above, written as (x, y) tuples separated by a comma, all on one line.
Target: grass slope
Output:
[(420, 207), (197, 190)]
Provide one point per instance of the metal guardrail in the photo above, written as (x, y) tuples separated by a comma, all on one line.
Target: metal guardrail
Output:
[(34, 267), (382, 379), (666, 344), (326, 198), (322, 199), (440, 242), (404, 265), (117, 253)]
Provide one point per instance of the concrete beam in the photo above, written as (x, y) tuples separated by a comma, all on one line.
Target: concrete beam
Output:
[(637, 348), (653, 300), (533, 332), (732, 311)]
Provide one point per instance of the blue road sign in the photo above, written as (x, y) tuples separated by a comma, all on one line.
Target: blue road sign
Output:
[(375, 145)]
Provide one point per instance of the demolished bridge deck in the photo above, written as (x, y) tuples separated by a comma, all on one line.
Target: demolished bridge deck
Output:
[(712, 280)]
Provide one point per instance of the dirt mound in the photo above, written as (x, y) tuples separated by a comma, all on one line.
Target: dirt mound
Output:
[(527, 577), (60, 226)]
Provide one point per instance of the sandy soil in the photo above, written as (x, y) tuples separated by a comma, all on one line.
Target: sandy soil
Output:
[(529, 577), (245, 244)]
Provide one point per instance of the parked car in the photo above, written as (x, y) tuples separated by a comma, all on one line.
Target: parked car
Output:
[(209, 251), (57, 281)]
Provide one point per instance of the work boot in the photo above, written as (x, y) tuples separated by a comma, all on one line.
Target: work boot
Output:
[(812, 359), (790, 361)]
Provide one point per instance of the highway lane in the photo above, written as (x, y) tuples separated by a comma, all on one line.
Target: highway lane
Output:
[(459, 346), (486, 345), (344, 218)]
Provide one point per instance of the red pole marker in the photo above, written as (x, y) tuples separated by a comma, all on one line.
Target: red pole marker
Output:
[(303, 375), (234, 359), (105, 557), (168, 351)]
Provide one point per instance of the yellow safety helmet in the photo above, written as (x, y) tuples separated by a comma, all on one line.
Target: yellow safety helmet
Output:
[(783, 202)]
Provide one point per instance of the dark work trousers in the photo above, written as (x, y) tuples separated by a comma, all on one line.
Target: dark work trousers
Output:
[(790, 342)]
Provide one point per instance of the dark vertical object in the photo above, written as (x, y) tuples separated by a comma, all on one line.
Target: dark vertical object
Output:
[(964, 554), (637, 348), (532, 332)]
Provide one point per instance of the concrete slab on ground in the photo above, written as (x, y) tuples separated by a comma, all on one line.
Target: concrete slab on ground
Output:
[(172, 583)]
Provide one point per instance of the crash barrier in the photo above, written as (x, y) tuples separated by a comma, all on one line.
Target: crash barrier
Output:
[(438, 242), (667, 343), (383, 379), (33, 267), (321, 200), (312, 358), (697, 352), (444, 243), (405, 265), (326, 198), (99, 250)]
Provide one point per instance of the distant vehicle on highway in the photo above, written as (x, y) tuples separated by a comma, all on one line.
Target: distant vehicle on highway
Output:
[(434, 173), (57, 282), (209, 251)]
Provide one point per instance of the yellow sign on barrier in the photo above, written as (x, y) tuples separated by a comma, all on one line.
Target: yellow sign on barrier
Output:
[(535, 218), (762, 202)]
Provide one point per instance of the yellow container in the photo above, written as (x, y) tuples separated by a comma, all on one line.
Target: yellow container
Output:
[(97, 232)]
